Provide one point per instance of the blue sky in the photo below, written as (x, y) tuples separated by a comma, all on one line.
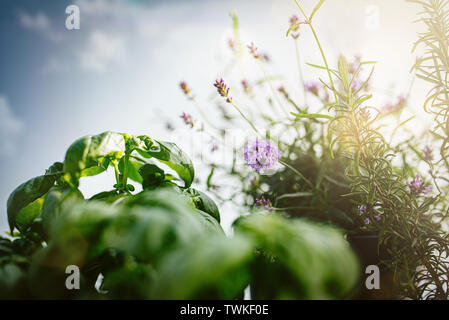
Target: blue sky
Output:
[(121, 70)]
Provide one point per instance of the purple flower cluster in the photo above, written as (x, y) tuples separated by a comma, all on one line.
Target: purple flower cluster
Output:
[(188, 120), (364, 210), (223, 90), (266, 203), (261, 155), (417, 186)]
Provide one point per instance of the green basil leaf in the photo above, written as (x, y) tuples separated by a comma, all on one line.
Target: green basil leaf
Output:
[(169, 154), (152, 176), (87, 155), (56, 198), (27, 193), (203, 202), (26, 216)]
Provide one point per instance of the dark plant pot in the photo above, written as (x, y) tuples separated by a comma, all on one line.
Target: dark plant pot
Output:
[(366, 247)]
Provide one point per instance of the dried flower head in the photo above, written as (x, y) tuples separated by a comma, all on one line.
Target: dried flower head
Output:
[(223, 90), (188, 120), (284, 92), (186, 89), (261, 155)]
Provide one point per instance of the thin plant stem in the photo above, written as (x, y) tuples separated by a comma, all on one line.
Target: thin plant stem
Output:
[(320, 47), (300, 74), (244, 117), (281, 106)]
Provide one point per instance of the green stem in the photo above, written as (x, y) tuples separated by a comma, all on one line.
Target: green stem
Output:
[(265, 75), (244, 117), (299, 174), (117, 174), (320, 47), (125, 170), (301, 76)]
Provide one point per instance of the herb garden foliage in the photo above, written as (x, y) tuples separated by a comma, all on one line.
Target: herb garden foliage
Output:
[(340, 169), (162, 243)]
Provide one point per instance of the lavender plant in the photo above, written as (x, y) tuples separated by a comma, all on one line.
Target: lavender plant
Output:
[(339, 168)]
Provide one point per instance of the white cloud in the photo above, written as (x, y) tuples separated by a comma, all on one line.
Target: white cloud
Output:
[(103, 49), (10, 127), (39, 23)]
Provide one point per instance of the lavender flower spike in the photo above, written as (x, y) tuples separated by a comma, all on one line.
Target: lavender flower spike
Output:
[(261, 155), (223, 90), (417, 186), (188, 120)]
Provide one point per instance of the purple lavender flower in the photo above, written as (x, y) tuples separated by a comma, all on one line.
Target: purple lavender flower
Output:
[(362, 209), (427, 189), (417, 186), (254, 51), (266, 203), (377, 217), (367, 221), (188, 120), (246, 86), (428, 156), (223, 90), (294, 20), (313, 87), (261, 155)]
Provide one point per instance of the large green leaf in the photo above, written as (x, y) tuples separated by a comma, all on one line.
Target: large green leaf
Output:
[(152, 176), (210, 267), (90, 155), (56, 198), (203, 202), (169, 154), (27, 193), (305, 260)]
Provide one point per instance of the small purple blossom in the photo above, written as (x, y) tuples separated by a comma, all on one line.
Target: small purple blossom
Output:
[(254, 51), (231, 44), (246, 86), (428, 156), (223, 90), (188, 120), (313, 87), (417, 186), (377, 217), (367, 221), (261, 155), (266, 203), (294, 21), (362, 209)]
